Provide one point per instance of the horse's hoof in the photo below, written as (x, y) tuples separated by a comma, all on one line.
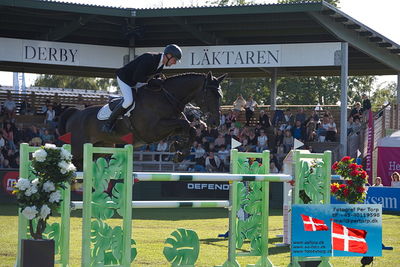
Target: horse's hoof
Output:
[(174, 146), (178, 157), (175, 159)]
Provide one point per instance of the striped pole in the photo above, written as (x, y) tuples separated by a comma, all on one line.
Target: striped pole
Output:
[(76, 205), (207, 177)]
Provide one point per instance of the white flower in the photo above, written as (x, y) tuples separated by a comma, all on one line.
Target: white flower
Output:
[(35, 182), (30, 212), (23, 184), (55, 196), (40, 155), (65, 154), (50, 146), (71, 167), (31, 190), (48, 187), (44, 211), (63, 166)]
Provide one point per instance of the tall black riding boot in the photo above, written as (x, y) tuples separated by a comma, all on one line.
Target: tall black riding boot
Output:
[(109, 124)]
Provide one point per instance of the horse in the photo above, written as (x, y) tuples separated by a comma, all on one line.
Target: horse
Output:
[(156, 116)]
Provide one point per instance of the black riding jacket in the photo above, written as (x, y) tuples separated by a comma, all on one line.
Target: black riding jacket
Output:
[(141, 69)]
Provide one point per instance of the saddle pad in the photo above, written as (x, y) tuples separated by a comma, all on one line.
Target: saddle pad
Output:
[(104, 113)]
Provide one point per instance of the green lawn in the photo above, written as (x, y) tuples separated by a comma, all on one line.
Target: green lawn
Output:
[(152, 226)]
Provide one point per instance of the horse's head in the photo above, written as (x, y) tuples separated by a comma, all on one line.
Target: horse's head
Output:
[(209, 99)]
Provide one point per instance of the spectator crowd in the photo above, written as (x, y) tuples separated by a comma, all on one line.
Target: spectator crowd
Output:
[(12, 134)]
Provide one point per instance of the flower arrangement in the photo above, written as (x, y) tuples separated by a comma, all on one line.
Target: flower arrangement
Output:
[(353, 190), (37, 198)]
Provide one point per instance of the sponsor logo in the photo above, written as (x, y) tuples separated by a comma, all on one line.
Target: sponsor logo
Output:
[(387, 202), (394, 166), (9, 180), (223, 187)]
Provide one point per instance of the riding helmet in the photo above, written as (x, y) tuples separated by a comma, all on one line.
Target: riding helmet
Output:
[(174, 50)]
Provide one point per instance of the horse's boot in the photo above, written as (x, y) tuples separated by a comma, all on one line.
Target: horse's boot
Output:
[(109, 124)]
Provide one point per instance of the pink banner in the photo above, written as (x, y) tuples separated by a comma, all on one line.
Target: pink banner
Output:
[(388, 162), (368, 167)]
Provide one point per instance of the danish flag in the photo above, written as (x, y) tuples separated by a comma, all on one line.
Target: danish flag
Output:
[(312, 224), (349, 239)]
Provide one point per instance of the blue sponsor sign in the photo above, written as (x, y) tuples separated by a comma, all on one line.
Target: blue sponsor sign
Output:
[(336, 230), (388, 197)]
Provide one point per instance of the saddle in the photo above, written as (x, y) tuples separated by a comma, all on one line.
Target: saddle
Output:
[(155, 84)]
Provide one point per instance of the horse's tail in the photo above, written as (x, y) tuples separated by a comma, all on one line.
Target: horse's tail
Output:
[(62, 122)]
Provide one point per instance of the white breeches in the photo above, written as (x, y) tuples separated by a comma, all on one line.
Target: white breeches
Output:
[(126, 93)]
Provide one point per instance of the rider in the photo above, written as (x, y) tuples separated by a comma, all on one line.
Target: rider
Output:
[(136, 73)]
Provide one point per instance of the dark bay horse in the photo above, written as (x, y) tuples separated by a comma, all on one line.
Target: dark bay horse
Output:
[(157, 115)]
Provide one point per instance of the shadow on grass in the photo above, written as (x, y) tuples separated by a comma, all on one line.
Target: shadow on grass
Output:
[(166, 214), (271, 251)]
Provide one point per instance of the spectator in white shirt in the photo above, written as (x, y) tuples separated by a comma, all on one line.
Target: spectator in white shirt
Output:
[(50, 117), (9, 107), (251, 104), (262, 142), (213, 163), (2, 140), (162, 146), (378, 182), (239, 105)]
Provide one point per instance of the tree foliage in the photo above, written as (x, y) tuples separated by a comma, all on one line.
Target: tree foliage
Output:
[(259, 88), (229, 2), (332, 2), (298, 90), (386, 93), (75, 82)]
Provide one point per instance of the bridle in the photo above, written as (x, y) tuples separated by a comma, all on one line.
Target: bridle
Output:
[(179, 106), (206, 90)]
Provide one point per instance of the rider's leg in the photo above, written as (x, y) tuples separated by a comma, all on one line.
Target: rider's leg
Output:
[(126, 93), (121, 107)]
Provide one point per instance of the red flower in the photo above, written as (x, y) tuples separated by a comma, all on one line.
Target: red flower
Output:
[(360, 189), (342, 186), (360, 166), (335, 166), (354, 173), (353, 166), (349, 182), (334, 188), (363, 174), (345, 192), (346, 158)]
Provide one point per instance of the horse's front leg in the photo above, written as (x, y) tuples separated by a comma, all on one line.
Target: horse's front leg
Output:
[(182, 128)]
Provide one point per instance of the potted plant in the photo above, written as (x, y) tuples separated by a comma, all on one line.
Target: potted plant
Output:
[(353, 189), (38, 198)]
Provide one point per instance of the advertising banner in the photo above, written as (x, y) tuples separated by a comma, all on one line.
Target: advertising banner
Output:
[(370, 149), (388, 162), (336, 230)]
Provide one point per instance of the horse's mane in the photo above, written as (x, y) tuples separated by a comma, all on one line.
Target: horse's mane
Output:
[(184, 75)]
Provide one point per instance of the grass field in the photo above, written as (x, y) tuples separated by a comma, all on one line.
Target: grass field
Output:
[(152, 226)]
